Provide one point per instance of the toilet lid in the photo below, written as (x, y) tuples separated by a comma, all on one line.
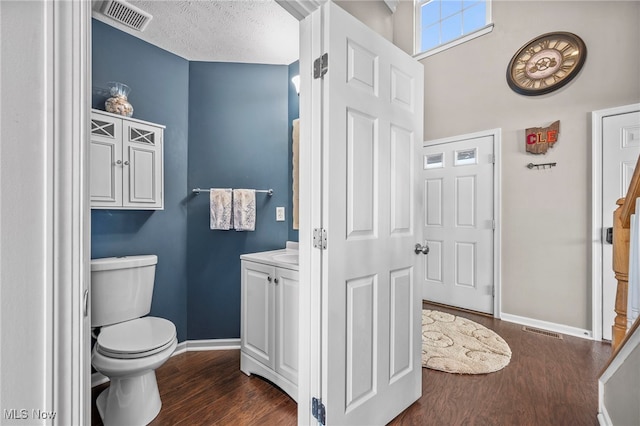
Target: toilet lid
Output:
[(137, 338)]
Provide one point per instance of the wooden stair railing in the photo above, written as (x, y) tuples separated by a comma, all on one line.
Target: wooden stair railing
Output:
[(621, 225)]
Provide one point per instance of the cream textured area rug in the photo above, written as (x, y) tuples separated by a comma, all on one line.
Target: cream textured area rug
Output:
[(458, 345)]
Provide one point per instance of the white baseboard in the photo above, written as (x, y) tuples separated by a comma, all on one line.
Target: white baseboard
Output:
[(603, 414), (212, 344), (186, 346), (97, 379), (603, 418), (549, 326)]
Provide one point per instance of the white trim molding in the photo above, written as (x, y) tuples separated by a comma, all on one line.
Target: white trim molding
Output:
[(478, 33), (212, 345), (300, 9), (549, 326), (392, 5), (596, 211), (68, 79)]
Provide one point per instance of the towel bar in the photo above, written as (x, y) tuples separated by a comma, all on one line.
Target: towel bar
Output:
[(269, 192)]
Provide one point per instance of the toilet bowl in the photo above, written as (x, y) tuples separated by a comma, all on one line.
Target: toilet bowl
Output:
[(129, 346)]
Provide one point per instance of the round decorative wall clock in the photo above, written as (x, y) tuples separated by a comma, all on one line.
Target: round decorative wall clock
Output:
[(546, 63)]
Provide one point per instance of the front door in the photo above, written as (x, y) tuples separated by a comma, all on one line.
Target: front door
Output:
[(458, 182), (620, 150), (371, 115)]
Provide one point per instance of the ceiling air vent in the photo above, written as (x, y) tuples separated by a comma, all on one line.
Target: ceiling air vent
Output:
[(126, 14)]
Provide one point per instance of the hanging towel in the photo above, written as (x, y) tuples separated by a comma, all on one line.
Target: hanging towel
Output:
[(244, 209), (220, 208)]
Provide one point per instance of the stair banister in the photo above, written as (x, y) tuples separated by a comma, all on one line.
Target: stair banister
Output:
[(621, 225)]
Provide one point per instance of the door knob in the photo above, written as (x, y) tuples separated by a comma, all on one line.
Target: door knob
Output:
[(421, 249)]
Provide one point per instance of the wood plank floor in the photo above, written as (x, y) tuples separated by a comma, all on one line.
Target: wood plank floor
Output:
[(548, 382)]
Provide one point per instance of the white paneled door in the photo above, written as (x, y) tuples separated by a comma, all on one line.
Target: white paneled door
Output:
[(458, 185), (620, 150), (372, 115)]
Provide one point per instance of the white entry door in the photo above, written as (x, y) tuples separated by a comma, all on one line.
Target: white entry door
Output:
[(371, 136), (620, 150), (458, 182)]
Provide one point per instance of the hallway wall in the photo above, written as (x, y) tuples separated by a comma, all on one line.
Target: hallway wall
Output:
[(546, 215)]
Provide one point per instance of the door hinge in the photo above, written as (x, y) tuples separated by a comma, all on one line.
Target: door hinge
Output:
[(318, 410), (321, 66), (493, 225), (319, 238)]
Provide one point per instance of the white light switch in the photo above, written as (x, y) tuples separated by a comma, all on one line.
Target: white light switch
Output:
[(279, 214)]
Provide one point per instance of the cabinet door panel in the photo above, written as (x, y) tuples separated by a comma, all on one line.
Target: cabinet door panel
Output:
[(142, 177), (106, 161), (258, 312), (287, 324)]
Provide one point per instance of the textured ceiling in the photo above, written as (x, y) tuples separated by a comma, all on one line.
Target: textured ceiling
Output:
[(249, 31)]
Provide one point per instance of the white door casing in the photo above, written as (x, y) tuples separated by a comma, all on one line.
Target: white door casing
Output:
[(459, 221), (369, 129), (616, 146), (45, 206)]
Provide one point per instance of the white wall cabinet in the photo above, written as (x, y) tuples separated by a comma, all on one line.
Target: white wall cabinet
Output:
[(126, 163), (269, 324)]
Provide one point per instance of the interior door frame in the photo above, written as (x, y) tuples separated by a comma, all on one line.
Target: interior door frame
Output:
[(597, 268), (497, 205), (66, 110), (310, 208)]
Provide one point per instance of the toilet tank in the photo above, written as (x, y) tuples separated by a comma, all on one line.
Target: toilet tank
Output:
[(121, 288)]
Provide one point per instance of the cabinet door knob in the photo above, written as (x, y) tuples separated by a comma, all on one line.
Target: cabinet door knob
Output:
[(119, 162), (269, 278), (126, 163), (275, 280)]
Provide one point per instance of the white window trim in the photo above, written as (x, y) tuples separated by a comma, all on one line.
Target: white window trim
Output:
[(416, 28), (480, 32)]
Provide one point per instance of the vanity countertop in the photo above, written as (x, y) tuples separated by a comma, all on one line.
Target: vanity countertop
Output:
[(283, 258)]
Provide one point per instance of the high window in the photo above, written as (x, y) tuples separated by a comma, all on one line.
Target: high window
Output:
[(441, 24)]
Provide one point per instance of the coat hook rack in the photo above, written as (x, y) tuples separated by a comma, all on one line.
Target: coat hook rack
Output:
[(543, 165)]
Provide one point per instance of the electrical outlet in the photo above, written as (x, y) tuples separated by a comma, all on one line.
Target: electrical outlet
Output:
[(279, 214)]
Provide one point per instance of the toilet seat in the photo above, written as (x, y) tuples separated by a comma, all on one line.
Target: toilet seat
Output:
[(138, 338)]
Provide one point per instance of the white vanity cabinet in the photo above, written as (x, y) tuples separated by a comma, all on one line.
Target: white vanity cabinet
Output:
[(269, 323), (126, 165)]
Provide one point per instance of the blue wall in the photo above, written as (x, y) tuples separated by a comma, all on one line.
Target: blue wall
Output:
[(227, 125), (159, 84), (237, 139)]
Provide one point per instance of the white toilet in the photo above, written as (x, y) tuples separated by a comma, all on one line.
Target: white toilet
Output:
[(129, 346)]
